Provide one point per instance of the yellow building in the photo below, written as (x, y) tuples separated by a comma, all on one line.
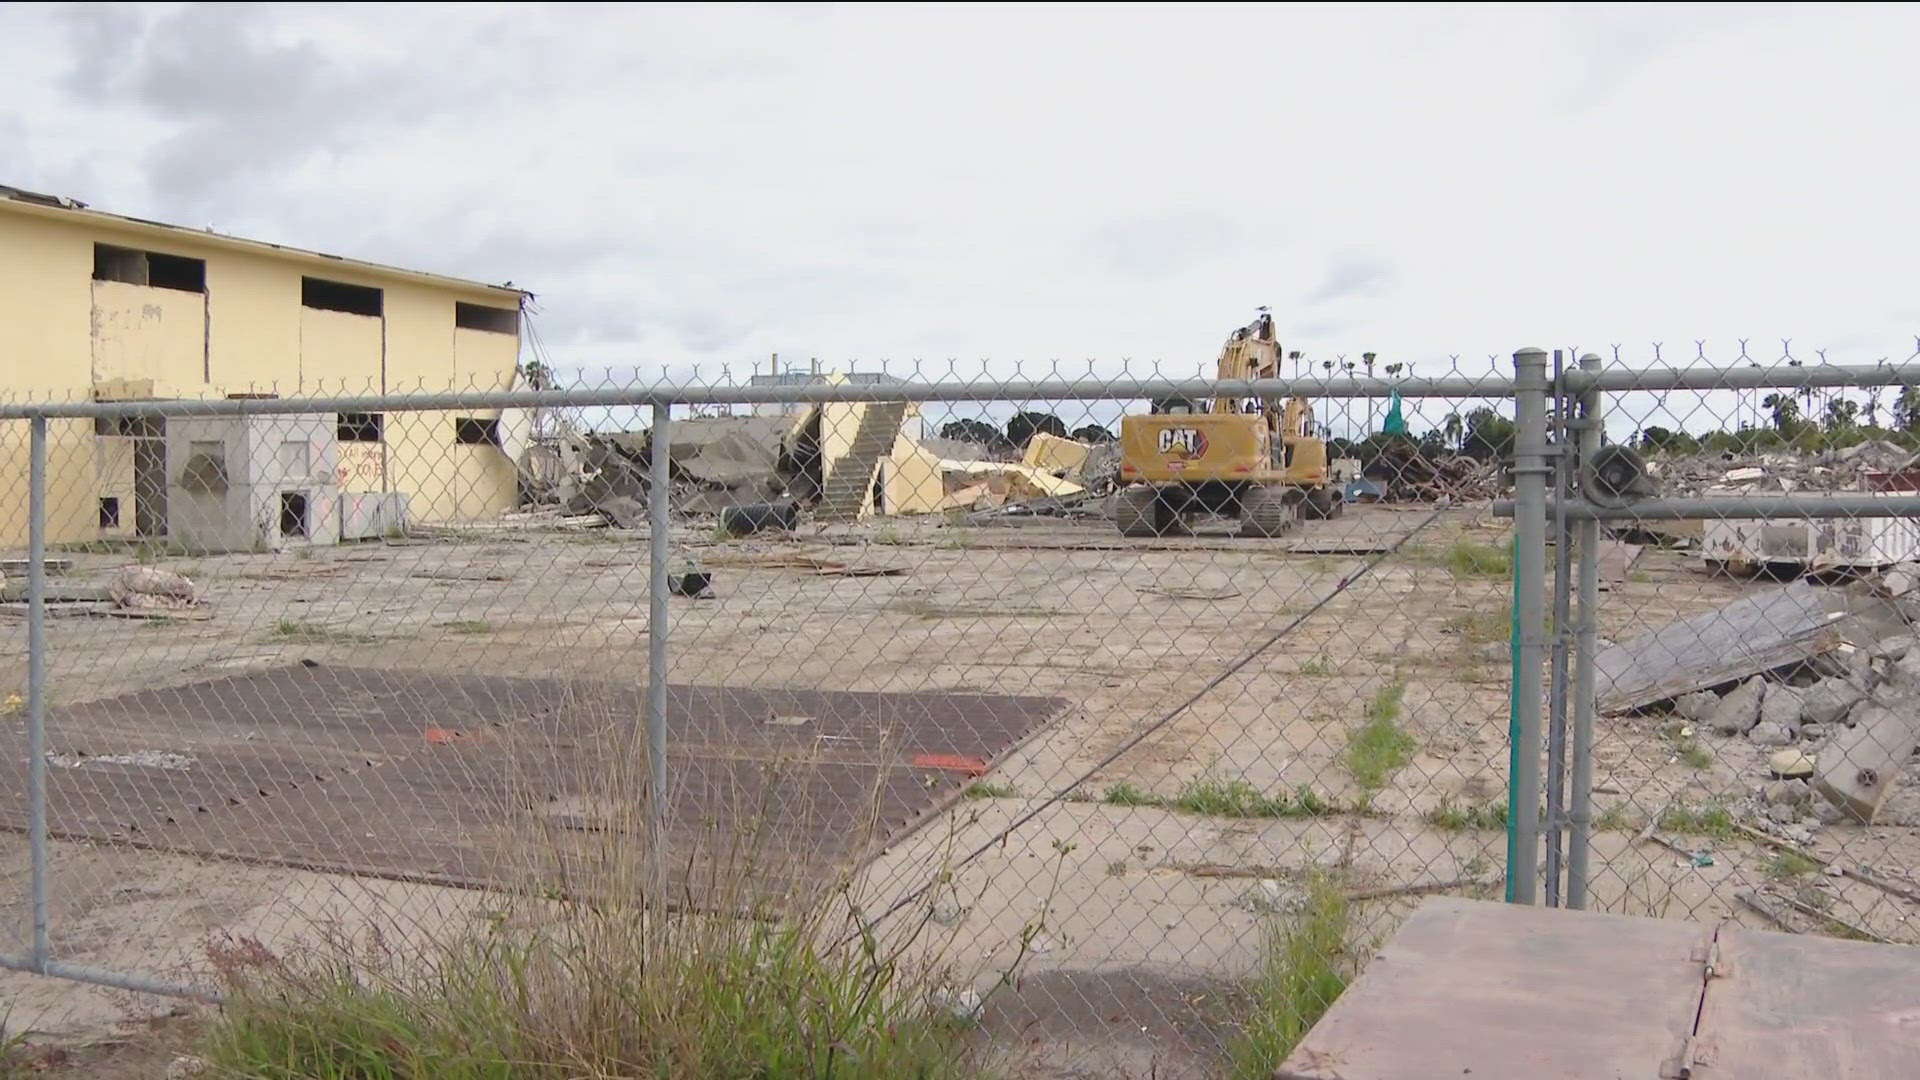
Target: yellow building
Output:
[(95, 306)]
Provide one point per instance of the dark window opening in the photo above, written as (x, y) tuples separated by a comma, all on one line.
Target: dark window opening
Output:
[(293, 514), (339, 296), (491, 319), (109, 513), (361, 426), (134, 267), (469, 431)]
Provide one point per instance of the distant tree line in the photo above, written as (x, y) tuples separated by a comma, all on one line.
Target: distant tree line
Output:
[(1793, 420), (1020, 431)]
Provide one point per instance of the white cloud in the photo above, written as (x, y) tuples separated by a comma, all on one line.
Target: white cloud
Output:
[(708, 185)]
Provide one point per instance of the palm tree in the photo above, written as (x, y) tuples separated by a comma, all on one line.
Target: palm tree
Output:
[(1785, 410), (1906, 409), (1454, 429)]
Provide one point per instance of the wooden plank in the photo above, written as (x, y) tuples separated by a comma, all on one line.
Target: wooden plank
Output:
[(1469, 988), (1754, 634), (1791, 1005)]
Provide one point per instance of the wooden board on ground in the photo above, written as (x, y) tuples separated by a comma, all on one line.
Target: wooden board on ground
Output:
[(1468, 988), (1759, 633)]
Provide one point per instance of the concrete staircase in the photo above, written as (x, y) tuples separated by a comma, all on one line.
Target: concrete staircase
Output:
[(850, 479)]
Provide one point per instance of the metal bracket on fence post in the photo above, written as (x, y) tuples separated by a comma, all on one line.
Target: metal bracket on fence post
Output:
[(1580, 797), (658, 522), (1530, 471), (37, 686)]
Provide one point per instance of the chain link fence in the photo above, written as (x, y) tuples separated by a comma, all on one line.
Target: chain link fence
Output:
[(347, 675), (1749, 751)]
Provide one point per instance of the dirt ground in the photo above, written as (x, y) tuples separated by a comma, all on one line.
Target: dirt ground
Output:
[(1136, 913)]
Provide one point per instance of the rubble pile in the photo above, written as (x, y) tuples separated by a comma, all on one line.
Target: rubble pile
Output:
[(1407, 475), (1869, 466), (1824, 688)]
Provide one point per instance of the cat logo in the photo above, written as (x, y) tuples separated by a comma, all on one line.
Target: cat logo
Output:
[(1183, 442)]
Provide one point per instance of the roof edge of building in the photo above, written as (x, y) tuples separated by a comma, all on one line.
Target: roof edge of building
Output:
[(36, 204)]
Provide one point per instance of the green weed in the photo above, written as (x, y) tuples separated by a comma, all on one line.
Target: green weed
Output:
[(1303, 968), (984, 789), (297, 632), (1321, 664), (1472, 559), (1452, 818), (1790, 864), (1713, 821), (1380, 747), (467, 626), (1615, 818), (1128, 795)]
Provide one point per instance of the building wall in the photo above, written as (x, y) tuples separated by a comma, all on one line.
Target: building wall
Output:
[(67, 337)]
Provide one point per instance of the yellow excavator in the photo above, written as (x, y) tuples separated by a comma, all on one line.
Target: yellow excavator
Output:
[(1259, 460)]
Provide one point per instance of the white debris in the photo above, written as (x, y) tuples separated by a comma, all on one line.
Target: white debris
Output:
[(146, 759), (185, 1067), (964, 1006), (150, 587)]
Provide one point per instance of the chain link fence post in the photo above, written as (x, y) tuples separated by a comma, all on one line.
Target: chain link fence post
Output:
[(660, 448), (37, 686), (1587, 582), (1529, 571)]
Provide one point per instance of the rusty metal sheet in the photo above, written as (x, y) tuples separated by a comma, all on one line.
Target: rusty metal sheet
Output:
[(1476, 989), (486, 780), (1788, 1005)]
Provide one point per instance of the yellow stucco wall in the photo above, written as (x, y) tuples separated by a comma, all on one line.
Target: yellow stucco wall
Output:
[(64, 336), (149, 335)]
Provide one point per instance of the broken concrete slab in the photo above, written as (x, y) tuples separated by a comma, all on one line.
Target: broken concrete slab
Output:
[(1755, 634), (1768, 733), (1739, 711)]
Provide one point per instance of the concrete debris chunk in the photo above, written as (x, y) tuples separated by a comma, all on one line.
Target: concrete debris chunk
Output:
[(1740, 709), (1785, 793), (1892, 648), (1829, 701), (1899, 581), (1859, 767), (1768, 733), (1791, 764), (150, 587), (1695, 706), (1782, 705)]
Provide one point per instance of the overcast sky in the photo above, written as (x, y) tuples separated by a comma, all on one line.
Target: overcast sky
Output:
[(702, 185)]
